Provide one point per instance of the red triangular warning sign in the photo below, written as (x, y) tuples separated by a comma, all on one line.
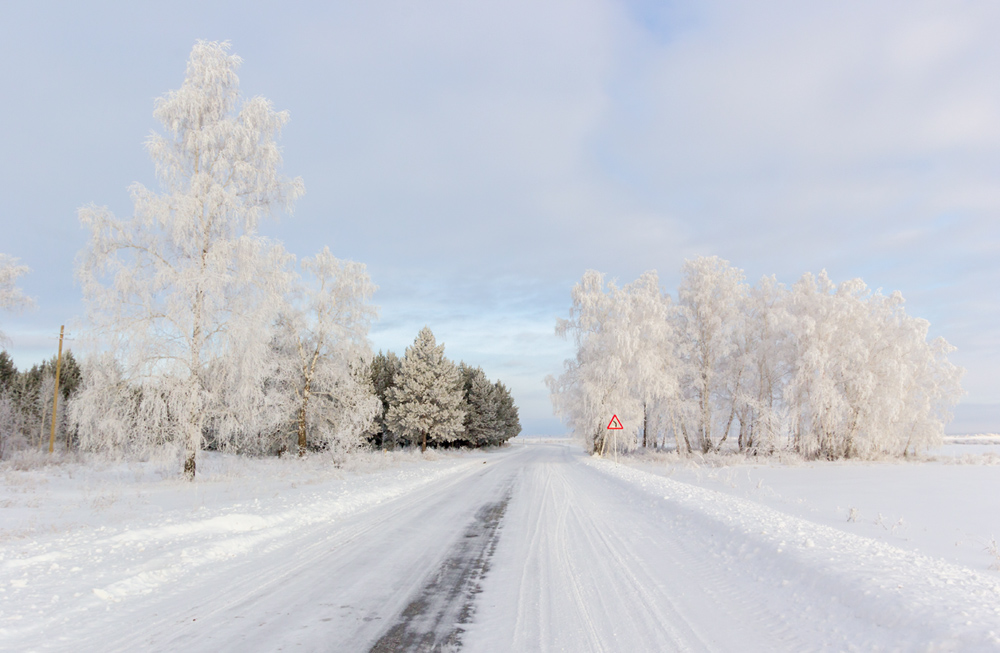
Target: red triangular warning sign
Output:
[(614, 424)]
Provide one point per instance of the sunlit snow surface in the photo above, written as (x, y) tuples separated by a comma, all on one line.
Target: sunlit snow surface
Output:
[(534, 547)]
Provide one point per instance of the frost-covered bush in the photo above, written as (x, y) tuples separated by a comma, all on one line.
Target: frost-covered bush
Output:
[(122, 417)]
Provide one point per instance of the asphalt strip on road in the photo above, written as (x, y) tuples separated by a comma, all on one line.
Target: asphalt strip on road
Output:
[(432, 620)]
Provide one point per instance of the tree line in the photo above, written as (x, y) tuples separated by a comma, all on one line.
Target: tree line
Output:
[(419, 400), (211, 335), (826, 370)]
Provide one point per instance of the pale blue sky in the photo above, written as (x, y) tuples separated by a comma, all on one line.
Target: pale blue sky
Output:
[(480, 156)]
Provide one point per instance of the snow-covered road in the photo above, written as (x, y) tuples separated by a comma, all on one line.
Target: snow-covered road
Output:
[(534, 548), (601, 557)]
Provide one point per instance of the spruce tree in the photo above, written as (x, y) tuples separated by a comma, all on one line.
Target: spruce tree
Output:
[(426, 403)]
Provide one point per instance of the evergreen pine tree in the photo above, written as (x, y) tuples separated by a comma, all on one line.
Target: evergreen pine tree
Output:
[(384, 368), (69, 375), (510, 423), (426, 403), (482, 419), (8, 371)]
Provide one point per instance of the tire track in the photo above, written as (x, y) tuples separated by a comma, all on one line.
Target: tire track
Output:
[(433, 619)]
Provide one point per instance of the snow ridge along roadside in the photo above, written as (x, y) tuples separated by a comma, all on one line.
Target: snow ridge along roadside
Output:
[(903, 600)]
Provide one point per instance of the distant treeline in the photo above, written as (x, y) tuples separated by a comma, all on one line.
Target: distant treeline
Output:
[(422, 399)]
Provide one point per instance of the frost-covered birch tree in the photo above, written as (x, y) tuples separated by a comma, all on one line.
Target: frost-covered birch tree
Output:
[(930, 387), (187, 281), (327, 342), (595, 384), (819, 357), (762, 342), (711, 297), (646, 342), (12, 298), (426, 402), (579, 395), (864, 381), (626, 363)]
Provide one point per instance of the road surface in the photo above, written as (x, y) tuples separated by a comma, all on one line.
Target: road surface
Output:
[(541, 548)]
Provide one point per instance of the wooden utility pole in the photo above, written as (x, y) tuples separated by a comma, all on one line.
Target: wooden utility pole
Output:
[(55, 394)]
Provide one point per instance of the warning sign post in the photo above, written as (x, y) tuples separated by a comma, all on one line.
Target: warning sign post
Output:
[(614, 425)]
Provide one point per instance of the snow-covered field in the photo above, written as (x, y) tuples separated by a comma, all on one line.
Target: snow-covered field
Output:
[(947, 507), (532, 547)]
